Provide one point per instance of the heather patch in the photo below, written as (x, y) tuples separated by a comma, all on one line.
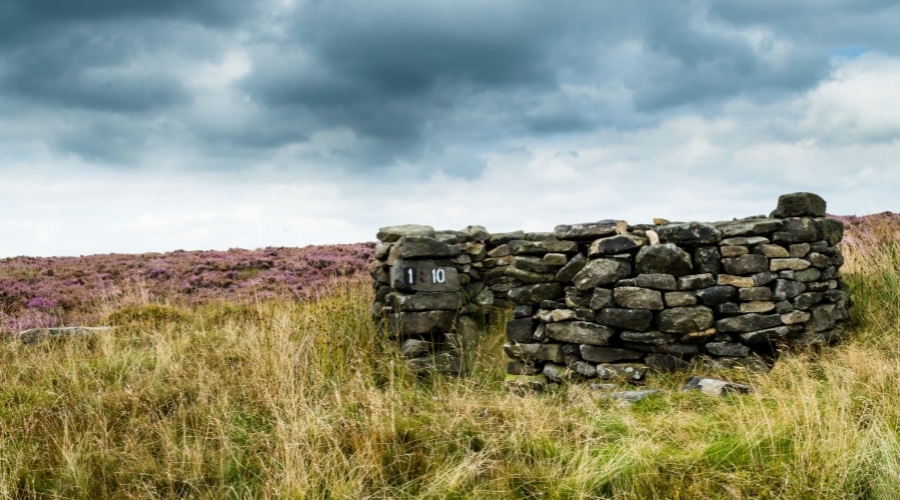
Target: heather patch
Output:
[(47, 292)]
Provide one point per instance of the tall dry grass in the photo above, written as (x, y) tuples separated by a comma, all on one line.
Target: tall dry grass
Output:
[(293, 400)]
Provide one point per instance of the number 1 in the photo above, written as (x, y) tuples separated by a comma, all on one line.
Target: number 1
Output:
[(411, 276)]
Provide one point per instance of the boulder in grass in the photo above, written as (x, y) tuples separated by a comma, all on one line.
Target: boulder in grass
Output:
[(35, 335)]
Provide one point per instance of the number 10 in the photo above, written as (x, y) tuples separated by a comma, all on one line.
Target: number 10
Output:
[(438, 276)]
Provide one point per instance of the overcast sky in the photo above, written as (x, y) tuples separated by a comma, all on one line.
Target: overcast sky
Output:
[(136, 125)]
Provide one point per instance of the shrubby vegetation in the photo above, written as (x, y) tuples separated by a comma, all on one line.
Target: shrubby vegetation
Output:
[(299, 398), (45, 292)]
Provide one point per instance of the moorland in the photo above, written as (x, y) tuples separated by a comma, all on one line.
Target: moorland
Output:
[(259, 373)]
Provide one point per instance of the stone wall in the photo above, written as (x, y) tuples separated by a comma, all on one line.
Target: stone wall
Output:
[(608, 300)]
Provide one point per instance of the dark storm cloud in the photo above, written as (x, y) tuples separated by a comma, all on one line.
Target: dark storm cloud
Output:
[(415, 82)]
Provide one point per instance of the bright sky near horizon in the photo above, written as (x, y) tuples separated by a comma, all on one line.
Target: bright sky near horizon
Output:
[(134, 126)]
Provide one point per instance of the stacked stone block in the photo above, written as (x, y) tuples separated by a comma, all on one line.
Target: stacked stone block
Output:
[(606, 300), (430, 293)]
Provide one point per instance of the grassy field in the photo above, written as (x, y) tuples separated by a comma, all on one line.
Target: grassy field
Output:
[(291, 399)]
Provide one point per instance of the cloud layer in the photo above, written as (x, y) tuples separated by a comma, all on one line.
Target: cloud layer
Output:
[(455, 112)]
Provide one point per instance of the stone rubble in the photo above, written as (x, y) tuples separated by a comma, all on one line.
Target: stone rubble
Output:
[(611, 301)]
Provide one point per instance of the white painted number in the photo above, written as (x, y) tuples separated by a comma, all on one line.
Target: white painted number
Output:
[(438, 276), (410, 275)]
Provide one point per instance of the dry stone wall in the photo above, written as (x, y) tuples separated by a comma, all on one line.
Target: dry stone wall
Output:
[(607, 300)]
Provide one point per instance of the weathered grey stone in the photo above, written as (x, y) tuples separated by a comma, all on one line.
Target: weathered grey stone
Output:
[(700, 336), (689, 233), (477, 233), (382, 250), (524, 247), (819, 260), (772, 251), (787, 289), (807, 275), (494, 262), (664, 363), (792, 264), (748, 323), (568, 271), (628, 371), (823, 317), (727, 309), (393, 233), (746, 264), (832, 230), (806, 300), (717, 295), (485, 297), (534, 264), (764, 336), (587, 230), (628, 319), (477, 251), (424, 276), (748, 227), (555, 259), (677, 349), (35, 335), (795, 317), (755, 293), (764, 278), (541, 352), (599, 272), (736, 281), (420, 247), (534, 294), (586, 370), (715, 387), (414, 348), (685, 319), (452, 237), (696, 281), (651, 337), (580, 332), (519, 367), (680, 299), (799, 230), (602, 298), (520, 330), (744, 241), (523, 311), (426, 301), (634, 396), (599, 354), (556, 373), (500, 251), (783, 307), (420, 323), (611, 245), (799, 250), (656, 281), (733, 251), (666, 258), (638, 298), (799, 205), (552, 304), (563, 315), (733, 349), (707, 260), (757, 306), (528, 277), (539, 236)]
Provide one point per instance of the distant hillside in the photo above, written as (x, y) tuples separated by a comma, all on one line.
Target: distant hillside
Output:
[(49, 291)]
